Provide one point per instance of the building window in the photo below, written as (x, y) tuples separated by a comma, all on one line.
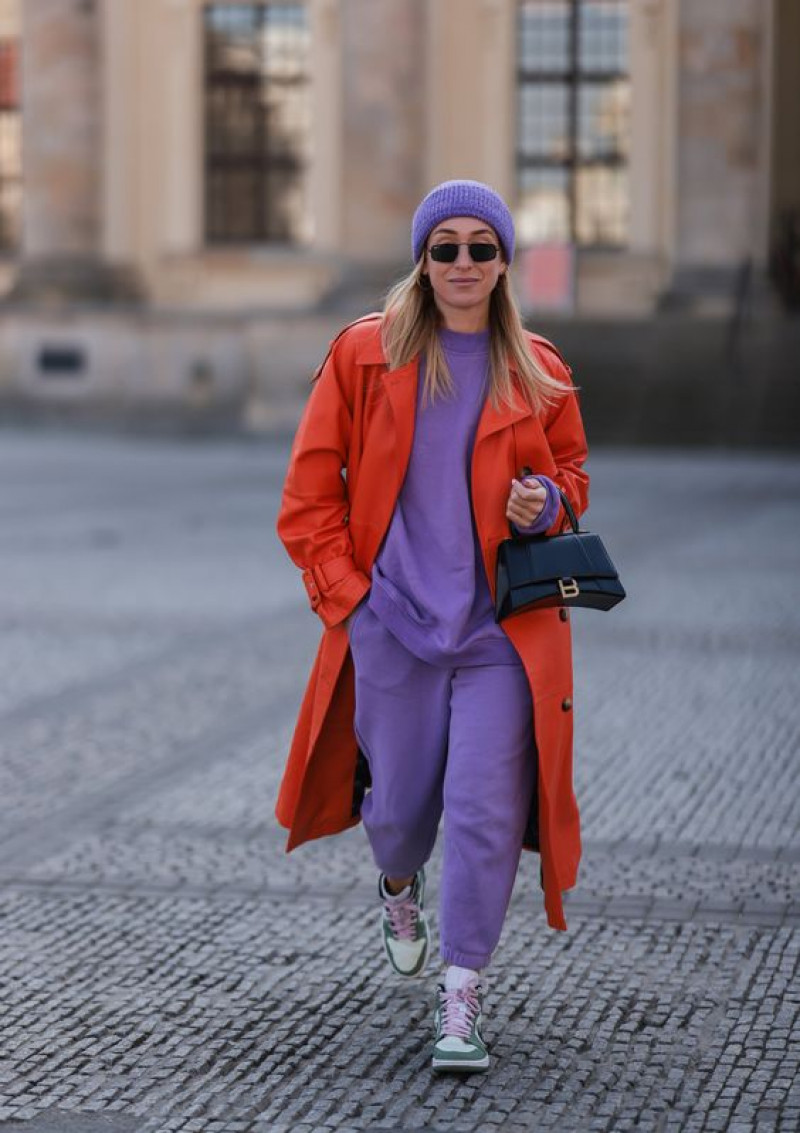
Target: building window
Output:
[(257, 123), (10, 147), (573, 122)]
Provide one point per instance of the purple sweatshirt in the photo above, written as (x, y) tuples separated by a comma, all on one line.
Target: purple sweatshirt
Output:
[(429, 585)]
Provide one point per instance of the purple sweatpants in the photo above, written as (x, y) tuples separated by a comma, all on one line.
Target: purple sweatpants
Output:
[(439, 740)]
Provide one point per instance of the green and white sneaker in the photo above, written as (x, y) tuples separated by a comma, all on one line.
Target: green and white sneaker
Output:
[(404, 927), (458, 1044)]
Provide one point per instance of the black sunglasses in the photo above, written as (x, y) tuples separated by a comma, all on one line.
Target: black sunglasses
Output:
[(448, 253)]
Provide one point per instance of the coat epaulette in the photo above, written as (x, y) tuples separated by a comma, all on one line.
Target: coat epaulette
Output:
[(371, 317)]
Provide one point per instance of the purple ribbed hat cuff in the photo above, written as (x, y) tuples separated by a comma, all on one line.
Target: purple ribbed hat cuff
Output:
[(462, 198)]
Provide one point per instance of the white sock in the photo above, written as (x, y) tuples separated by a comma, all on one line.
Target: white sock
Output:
[(392, 897), (456, 977)]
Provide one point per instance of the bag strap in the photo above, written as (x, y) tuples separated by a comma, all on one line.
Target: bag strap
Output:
[(568, 508)]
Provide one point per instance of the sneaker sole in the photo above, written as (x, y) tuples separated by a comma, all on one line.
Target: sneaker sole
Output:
[(462, 1066), (423, 963)]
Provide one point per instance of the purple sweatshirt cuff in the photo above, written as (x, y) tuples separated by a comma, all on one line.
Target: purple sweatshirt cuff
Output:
[(548, 513)]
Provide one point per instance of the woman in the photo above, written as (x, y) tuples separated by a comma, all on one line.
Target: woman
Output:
[(403, 479)]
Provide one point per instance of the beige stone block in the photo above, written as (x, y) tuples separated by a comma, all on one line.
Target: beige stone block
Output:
[(238, 280), (62, 107), (125, 361), (619, 284)]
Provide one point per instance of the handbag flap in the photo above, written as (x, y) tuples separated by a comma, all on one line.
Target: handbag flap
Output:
[(552, 557)]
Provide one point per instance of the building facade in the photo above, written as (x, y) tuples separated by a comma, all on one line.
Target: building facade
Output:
[(174, 171)]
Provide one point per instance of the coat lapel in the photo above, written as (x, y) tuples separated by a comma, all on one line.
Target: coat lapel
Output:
[(491, 419), (401, 393)]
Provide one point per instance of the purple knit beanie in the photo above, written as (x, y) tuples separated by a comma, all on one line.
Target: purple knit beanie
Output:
[(462, 198)]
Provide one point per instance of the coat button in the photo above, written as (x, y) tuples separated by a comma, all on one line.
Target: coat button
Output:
[(563, 613), (566, 703)]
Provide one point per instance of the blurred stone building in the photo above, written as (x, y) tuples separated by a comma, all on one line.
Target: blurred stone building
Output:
[(194, 196)]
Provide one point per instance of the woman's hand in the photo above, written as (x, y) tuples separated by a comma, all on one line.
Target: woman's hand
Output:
[(526, 501)]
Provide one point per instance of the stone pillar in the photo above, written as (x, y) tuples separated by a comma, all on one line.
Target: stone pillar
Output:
[(786, 134), (472, 90), (723, 89), (383, 138), (62, 158)]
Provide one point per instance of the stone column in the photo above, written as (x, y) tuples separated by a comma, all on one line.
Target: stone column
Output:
[(383, 162), (721, 143), (62, 158)]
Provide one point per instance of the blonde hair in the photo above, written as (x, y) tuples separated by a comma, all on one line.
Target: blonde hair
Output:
[(411, 321)]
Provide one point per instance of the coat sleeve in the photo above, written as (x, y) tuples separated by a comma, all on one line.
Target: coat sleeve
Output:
[(567, 439), (313, 516)]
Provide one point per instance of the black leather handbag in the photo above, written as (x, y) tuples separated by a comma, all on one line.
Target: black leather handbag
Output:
[(572, 568)]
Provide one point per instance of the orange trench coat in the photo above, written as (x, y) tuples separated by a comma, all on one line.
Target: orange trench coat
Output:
[(346, 468)]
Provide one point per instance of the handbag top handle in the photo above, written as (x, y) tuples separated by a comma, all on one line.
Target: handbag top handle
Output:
[(568, 508)]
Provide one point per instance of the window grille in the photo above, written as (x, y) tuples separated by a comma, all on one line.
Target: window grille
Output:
[(573, 122), (257, 123), (10, 147)]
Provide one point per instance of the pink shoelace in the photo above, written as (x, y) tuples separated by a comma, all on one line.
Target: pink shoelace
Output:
[(402, 916), (459, 1010)]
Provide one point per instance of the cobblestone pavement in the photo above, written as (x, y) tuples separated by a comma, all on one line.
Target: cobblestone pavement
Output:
[(166, 968)]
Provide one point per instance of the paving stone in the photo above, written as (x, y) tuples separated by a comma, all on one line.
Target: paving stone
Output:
[(166, 967)]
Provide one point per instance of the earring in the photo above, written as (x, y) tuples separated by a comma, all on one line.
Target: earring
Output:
[(424, 282)]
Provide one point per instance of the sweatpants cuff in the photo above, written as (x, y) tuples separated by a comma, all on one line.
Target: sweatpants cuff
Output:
[(474, 960), (399, 870)]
